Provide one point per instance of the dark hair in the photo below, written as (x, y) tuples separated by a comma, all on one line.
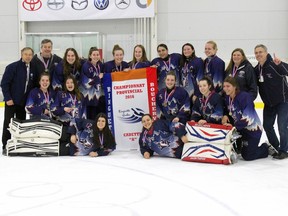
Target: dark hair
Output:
[(109, 139), (76, 90), (45, 74), (162, 45), (117, 47), (91, 50), (45, 41), (233, 82), (144, 56), (147, 114), (183, 58), (66, 66), (209, 82), (231, 63)]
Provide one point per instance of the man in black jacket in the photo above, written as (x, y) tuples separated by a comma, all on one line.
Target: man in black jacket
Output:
[(17, 81), (273, 88)]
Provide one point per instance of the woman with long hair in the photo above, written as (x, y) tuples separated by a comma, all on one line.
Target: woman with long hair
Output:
[(92, 138), (208, 108), (191, 71), (241, 114), (70, 65), (91, 83), (243, 71), (69, 104)]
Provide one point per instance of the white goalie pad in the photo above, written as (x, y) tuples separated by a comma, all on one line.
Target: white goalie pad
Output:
[(210, 143), (35, 128), (32, 147)]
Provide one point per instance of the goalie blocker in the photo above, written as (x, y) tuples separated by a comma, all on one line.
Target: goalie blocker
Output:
[(37, 137), (209, 143)]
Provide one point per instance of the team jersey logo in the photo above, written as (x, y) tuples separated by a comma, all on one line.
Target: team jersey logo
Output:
[(32, 5), (79, 4), (101, 4), (55, 4), (122, 4)]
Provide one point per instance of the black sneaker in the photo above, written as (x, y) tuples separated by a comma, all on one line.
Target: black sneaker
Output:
[(281, 155), (271, 150)]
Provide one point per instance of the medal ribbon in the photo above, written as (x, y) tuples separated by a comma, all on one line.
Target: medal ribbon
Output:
[(234, 71), (205, 101), (167, 67), (45, 64), (101, 139), (166, 97), (47, 99)]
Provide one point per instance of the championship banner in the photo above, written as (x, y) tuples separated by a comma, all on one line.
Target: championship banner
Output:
[(48, 10), (129, 95)]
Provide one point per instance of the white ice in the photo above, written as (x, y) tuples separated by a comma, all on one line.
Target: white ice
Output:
[(125, 184)]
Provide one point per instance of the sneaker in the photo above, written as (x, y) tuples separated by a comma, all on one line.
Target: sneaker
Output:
[(271, 150), (281, 155)]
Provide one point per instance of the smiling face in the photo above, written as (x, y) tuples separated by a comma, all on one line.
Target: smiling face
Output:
[(70, 57), (237, 58), (95, 56), (210, 49), (69, 85), (46, 50), (261, 55), (187, 51), (138, 53), (118, 56), (44, 82), (204, 88), (170, 81), (147, 122), (229, 89), (101, 123)]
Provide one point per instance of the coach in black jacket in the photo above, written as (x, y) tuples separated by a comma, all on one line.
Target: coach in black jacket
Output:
[(16, 83), (273, 89)]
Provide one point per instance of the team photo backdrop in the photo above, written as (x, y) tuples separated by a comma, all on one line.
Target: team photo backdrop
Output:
[(129, 95)]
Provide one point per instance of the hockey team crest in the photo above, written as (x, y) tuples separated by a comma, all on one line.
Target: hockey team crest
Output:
[(79, 4), (101, 4), (133, 115), (122, 4), (55, 4), (32, 5)]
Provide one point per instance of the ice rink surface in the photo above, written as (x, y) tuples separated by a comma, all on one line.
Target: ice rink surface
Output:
[(125, 184)]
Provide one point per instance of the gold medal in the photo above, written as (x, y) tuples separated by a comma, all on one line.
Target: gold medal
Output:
[(165, 104), (230, 113)]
